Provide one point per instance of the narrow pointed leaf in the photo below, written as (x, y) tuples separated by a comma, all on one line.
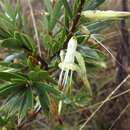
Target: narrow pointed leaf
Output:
[(7, 89), (82, 71), (55, 14), (67, 8), (12, 43), (8, 76), (92, 4), (43, 97), (26, 104)]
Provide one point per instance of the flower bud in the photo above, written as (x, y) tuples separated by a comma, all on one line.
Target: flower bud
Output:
[(71, 49), (97, 15)]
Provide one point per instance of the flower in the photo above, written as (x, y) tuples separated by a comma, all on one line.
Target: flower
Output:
[(67, 67), (67, 64)]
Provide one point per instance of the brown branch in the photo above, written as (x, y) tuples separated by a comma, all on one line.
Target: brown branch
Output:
[(35, 28), (74, 22), (39, 56), (124, 48)]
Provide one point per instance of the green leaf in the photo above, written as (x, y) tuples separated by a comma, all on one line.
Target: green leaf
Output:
[(67, 8), (47, 5), (43, 97), (38, 75), (93, 57), (47, 41), (26, 104), (82, 72), (95, 63), (26, 41), (12, 43), (3, 34), (82, 98), (12, 104), (55, 14), (51, 89), (75, 6), (21, 41), (92, 4), (98, 26), (7, 76), (18, 15), (98, 38), (66, 23), (7, 89), (3, 121), (19, 103), (89, 52), (45, 23), (9, 10), (19, 81), (6, 28), (44, 90), (5, 68)]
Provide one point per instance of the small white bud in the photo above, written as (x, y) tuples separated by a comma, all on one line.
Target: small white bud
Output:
[(71, 49)]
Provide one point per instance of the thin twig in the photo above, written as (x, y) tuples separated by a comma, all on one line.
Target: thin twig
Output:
[(109, 52), (120, 94), (120, 115), (97, 104), (112, 98), (124, 48), (108, 97), (35, 28)]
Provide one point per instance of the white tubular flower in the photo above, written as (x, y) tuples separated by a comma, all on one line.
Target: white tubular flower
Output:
[(67, 65)]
